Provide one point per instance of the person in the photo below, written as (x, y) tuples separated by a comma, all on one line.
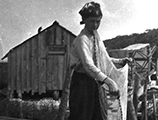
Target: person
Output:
[(84, 94)]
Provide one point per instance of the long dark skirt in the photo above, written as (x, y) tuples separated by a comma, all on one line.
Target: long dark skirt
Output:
[(84, 98)]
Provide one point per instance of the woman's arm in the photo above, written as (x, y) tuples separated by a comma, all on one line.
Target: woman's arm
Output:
[(82, 47)]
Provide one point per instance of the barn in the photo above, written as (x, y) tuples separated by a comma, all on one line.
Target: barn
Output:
[(40, 63), (3, 74)]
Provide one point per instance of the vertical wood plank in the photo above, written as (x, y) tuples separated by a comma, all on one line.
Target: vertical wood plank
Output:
[(31, 64), (64, 42), (62, 36), (55, 72), (13, 70), (68, 45), (34, 61), (60, 72), (42, 62), (28, 65), (50, 36), (58, 35), (32, 67), (9, 74), (12, 87), (23, 65), (54, 34), (39, 63), (18, 72), (49, 74), (66, 39)]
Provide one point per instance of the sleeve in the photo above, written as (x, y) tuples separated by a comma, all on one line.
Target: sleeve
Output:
[(86, 56), (116, 60)]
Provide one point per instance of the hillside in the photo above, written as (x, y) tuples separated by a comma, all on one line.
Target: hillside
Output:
[(149, 36)]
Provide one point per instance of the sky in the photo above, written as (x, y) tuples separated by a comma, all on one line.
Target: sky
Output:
[(20, 19)]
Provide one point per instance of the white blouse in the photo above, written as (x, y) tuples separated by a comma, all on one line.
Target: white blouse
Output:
[(82, 56)]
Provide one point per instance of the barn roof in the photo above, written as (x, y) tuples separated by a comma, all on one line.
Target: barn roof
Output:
[(54, 23)]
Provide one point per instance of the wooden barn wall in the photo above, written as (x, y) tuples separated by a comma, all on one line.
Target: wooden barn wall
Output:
[(3, 74), (39, 64), (57, 59)]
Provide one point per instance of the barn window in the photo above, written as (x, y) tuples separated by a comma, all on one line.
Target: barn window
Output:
[(56, 49)]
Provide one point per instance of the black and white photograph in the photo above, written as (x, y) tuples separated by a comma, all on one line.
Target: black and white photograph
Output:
[(78, 60)]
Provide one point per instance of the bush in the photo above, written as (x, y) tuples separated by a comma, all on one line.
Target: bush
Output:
[(44, 109)]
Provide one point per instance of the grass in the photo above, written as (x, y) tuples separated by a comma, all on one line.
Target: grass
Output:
[(44, 109)]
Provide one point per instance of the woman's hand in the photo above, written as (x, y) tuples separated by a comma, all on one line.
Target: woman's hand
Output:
[(111, 84), (126, 60)]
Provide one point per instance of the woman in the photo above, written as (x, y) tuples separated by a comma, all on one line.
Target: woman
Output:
[(84, 95)]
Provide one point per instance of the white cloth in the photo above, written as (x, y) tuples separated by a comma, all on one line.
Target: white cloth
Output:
[(106, 65)]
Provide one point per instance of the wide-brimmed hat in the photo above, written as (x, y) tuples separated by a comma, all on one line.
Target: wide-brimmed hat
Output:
[(90, 9)]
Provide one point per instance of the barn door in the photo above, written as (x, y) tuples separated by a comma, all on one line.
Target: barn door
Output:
[(56, 60)]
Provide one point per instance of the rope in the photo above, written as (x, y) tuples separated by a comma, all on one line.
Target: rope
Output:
[(95, 52), (120, 108)]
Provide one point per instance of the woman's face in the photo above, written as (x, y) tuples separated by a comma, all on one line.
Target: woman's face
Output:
[(92, 23)]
